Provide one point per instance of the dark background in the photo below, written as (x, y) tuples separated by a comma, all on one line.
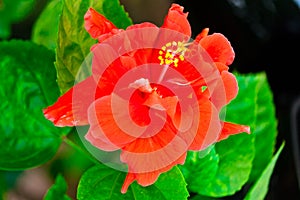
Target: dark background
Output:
[(265, 35)]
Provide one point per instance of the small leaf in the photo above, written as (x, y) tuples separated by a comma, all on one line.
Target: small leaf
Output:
[(45, 29), (101, 182), (28, 85), (57, 190), (260, 188), (74, 42)]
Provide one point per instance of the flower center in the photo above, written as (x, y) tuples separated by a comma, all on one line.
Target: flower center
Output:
[(172, 53)]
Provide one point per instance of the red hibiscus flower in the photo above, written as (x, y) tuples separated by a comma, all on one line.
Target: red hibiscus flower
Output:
[(153, 93)]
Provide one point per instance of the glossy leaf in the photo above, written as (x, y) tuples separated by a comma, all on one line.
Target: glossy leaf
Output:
[(28, 85), (264, 122), (199, 171), (265, 128), (74, 42), (235, 153), (244, 154), (45, 29), (260, 188), (101, 182), (58, 190)]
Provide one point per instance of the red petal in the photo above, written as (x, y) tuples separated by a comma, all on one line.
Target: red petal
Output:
[(221, 67), (110, 125), (105, 36), (231, 129), (141, 25), (71, 108), (96, 24), (156, 149), (201, 35), (206, 128), (140, 41), (219, 48), (177, 20), (226, 89), (139, 113), (109, 67), (159, 133), (101, 143), (148, 178)]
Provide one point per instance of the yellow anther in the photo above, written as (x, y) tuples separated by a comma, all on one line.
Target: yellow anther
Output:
[(168, 55), (161, 60), (176, 62), (181, 57), (168, 62), (168, 44), (172, 53)]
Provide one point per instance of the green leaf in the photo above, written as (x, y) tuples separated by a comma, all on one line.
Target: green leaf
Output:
[(260, 188), (3, 185), (28, 85), (200, 171), (57, 190), (74, 42), (242, 109), (13, 11), (264, 122), (241, 154), (200, 197), (236, 153), (101, 182), (265, 128), (45, 29)]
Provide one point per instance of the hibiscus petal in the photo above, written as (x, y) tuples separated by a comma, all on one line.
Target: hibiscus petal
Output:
[(201, 35), (219, 48), (108, 67), (176, 20), (142, 35), (155, 152), (111, 124), (225, 90), (231, 129), (101, 143), (221, 67), (148, 178), (96, 24), (71, 108), (206, 127)]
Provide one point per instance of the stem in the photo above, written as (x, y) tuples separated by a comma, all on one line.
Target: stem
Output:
[(79, 149)]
